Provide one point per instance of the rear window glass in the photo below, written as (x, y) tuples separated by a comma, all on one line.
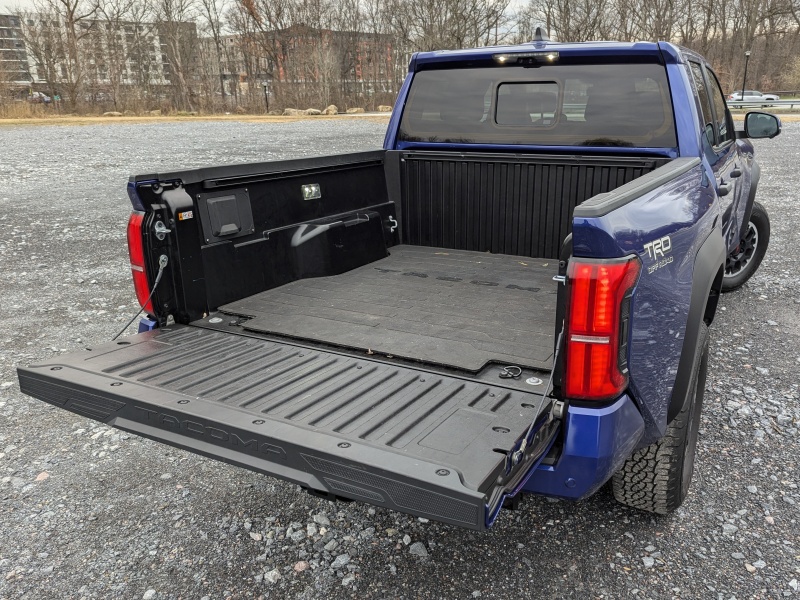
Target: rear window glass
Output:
[(554, 105), (527, 103)]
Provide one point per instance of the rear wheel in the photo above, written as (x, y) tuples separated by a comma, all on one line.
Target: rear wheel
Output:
[(745, 259), (657, 477)]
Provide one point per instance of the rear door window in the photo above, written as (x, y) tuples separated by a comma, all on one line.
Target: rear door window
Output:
[(558, 105), (706, 114)]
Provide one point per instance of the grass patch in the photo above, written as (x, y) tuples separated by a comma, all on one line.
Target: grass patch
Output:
[(25, 110)]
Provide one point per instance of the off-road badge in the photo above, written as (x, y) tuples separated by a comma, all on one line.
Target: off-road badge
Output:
[(185, 215), (658, 250)]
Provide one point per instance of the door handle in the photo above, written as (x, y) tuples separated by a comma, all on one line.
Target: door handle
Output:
[(724, 188), (737, 172)]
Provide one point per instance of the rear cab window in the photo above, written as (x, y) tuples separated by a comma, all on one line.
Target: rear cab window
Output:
[(626, 105)]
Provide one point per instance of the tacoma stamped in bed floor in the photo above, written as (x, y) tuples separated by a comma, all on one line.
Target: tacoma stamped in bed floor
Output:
[(454, 308)]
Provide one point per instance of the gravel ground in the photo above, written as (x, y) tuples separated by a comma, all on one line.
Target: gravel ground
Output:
[(90, 512)]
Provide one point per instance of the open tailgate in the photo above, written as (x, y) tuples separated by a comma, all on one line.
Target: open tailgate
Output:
[(342, 425)]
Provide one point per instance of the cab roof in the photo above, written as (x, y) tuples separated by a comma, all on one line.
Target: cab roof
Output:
[(661, 52)]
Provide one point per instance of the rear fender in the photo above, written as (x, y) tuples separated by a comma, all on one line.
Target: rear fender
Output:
[(755, 176), (673, 225), (706, 287)]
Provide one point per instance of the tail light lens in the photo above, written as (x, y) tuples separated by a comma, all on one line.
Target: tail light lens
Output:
[(136, 253), (597, 327)]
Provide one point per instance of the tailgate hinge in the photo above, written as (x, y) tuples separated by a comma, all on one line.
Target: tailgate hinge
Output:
[(558, 410)]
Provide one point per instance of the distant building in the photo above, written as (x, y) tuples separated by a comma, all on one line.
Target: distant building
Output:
[(14, 66), (131, 54), (242, 62), (297, 64)]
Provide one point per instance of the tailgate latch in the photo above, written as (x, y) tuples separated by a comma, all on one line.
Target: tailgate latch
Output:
[(161, 230)]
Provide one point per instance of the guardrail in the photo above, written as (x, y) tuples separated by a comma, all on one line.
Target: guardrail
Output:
[(739, 104)]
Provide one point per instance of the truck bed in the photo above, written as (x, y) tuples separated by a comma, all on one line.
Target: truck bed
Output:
[(452, 308), (424, 442)]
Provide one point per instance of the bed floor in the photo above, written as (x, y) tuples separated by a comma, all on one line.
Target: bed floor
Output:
[(452, 308)]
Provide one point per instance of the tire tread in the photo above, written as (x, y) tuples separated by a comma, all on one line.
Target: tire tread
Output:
[(651, 479)]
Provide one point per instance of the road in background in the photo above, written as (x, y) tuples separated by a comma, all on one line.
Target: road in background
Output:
[(87, 511)]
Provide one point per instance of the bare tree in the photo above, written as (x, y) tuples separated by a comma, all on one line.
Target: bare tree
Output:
[(211, 12), (41, 32), (124, 49), (571, 20), (443, 24), (178, 34), (54, 33)]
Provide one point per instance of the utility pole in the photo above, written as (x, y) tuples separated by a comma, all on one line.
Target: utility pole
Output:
[(744, 80)]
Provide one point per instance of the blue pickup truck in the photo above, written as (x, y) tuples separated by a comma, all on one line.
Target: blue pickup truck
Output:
[(513, 295)]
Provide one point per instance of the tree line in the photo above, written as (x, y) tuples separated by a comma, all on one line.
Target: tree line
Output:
[(217, 55)]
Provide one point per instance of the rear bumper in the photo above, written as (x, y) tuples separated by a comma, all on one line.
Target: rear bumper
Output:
[(597, 441)]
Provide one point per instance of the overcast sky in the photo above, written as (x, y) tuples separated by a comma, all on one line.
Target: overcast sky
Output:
[(7, 6)]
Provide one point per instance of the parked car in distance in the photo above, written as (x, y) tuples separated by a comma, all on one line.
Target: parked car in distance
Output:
[(752, 96), (38, 98)]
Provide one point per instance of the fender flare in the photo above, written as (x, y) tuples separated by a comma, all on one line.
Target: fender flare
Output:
[(709, 267), (755, 176)]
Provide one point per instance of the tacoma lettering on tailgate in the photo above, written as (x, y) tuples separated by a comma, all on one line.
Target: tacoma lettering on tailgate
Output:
[(217, 435)]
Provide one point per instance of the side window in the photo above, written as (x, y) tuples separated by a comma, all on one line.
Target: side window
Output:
[(706, 116), (724, 126)]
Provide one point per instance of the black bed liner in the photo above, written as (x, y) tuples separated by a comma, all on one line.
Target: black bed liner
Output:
[(346, 425), (455, 308)]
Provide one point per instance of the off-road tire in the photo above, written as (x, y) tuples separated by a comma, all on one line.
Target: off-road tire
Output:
[(656, 478), (743, 263)]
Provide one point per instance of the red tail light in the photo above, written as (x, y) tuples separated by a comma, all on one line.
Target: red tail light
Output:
[(597, 333), (136, 252)]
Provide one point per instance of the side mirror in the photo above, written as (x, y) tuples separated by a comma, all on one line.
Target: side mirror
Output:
[(761, 125)]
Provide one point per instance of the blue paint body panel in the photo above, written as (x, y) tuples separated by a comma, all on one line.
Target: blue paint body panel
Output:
[(596, 443), (147, 324), (683, 209), (390, 139), (133, 196)]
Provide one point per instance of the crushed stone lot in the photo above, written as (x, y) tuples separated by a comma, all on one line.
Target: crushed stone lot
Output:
[(87, 511)]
